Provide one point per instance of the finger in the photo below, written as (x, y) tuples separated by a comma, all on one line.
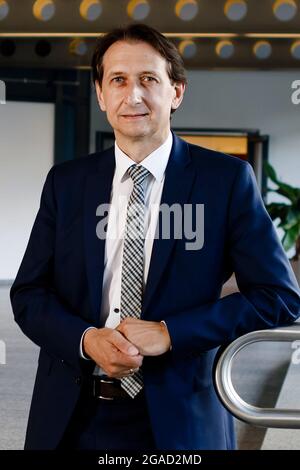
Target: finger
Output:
[(124, 345), (130, 372), (127, 362)]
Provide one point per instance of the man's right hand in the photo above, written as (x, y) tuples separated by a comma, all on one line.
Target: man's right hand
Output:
[(111, 351)]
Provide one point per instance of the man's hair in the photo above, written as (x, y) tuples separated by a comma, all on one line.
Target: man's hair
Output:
[(136, 33)]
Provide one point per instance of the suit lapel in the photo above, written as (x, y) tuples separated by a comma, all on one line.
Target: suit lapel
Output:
[(98, 190), (179, 178)]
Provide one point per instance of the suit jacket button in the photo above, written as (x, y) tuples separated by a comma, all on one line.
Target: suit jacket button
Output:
[(78, 380)]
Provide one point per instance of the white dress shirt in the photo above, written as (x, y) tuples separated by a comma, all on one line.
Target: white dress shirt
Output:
[(122, 186)]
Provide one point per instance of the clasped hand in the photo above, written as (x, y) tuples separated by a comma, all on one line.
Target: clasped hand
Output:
[(121, 350)]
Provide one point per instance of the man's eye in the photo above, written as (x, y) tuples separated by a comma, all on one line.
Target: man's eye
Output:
[(117, 79), (149, 79)]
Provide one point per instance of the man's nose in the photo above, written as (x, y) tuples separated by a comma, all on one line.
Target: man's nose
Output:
[(133, 94)]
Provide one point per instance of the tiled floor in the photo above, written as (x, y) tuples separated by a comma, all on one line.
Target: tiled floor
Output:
[(258, 375)]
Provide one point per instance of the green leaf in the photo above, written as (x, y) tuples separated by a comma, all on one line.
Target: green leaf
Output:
[(278, 210), (290, 237), (288, 214), (269, 170), (288, 191), (293, 218)]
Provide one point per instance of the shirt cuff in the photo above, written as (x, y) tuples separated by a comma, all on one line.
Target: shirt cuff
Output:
[(162, 321), (81, 344)]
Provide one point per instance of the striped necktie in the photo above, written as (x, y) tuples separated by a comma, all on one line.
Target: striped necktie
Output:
[(133, 263)]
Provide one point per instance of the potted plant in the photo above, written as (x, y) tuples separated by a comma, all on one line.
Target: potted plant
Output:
[(288, 215)]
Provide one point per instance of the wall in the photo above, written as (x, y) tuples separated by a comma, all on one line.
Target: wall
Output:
[(26, 155)]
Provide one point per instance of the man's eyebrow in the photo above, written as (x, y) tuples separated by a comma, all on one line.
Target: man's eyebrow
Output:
[(111, 74), (145, 72), (149, 72)]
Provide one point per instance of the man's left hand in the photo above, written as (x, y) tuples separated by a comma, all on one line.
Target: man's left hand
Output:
[(151, 338)]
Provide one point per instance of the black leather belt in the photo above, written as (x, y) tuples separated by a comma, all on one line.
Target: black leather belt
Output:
[(106, 388)]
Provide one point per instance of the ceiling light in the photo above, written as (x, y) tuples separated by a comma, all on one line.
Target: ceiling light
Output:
[(235, 10), (43, 48), (295, 50), (138, 9), (262, 50), (186, 10), (224, 49), (4, 9), (43, 10), (78, 47), (7, 47), (284, 10), (90, 10), (187, 48)]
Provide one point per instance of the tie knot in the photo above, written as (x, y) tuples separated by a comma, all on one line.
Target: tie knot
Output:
[(138, 173)]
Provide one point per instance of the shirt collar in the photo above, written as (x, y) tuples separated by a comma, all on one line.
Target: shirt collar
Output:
[(155, 162)]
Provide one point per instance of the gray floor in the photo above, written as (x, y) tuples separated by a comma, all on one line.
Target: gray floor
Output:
[(289, 398), (16, 377), (258, 375)]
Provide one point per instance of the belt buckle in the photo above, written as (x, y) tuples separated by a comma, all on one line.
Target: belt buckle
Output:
[(100, 396)]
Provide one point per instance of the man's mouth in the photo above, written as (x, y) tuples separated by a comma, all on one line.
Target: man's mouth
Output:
[(134, 116)]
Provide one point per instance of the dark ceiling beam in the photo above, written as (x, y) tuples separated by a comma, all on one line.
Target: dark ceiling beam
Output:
[(24, 53)]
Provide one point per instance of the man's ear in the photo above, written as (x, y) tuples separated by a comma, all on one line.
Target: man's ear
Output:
[(100, 97), (179, 89)]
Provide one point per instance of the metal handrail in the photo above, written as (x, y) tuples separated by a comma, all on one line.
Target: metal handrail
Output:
[(267, 417)]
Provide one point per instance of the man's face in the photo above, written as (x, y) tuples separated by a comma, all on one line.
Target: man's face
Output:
[(136, 91)]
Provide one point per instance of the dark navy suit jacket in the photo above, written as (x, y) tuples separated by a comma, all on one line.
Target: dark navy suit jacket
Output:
[(57, 292)]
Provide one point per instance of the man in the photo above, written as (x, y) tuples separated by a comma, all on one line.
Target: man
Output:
[(129, 325)]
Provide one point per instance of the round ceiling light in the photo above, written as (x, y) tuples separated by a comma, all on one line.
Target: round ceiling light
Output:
[(295, 50), (90, 10), (225, 49), (186, 10), (78, 47), (262, 50), (4, 9), (7, 47), (138, 9), (235, 10), (187, 48), (43, 10), (43, 48), (284, 10)]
